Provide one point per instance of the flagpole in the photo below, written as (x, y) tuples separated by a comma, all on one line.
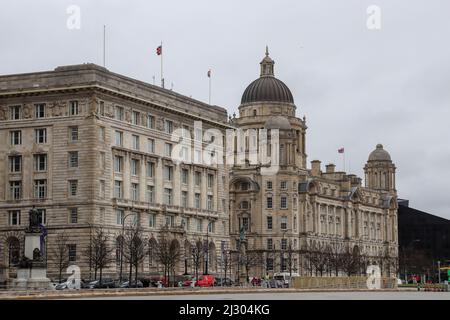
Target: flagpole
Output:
[(104, 46), (343, 154), (210, 75), (162, 77)]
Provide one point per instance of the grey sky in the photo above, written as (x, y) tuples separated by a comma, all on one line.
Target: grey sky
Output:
[(357, 87)]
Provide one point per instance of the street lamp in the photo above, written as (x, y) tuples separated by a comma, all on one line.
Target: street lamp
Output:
[(122, 244), (439, 271)]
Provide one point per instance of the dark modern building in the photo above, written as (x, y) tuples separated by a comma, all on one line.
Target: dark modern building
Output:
[(424, 239)]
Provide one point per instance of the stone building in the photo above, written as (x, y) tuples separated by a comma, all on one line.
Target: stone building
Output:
[(297, 210), (92, 148)]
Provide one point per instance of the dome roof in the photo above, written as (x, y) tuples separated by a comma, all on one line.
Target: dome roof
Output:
[(379, 154), (267, 89), (278, 122)]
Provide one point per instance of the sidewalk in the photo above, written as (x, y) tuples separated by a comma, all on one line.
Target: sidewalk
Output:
[(76, 294)]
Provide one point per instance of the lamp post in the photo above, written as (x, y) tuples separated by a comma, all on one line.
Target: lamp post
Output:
[(122, 244), (207, 247), (439, 271)]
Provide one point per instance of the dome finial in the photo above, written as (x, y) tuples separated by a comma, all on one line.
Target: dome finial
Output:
[(267, 65)]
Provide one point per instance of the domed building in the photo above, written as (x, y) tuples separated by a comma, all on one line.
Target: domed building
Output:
[(282, 213)]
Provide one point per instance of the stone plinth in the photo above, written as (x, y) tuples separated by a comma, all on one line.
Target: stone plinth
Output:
[(32, 241), (32, 279)]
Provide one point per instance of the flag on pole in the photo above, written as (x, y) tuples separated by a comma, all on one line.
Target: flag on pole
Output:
[(209, 73), (341, 150), (159, 50)]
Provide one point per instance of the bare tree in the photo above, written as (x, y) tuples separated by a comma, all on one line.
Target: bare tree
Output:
[(99, 252), (318, 257), (168, 254), (334, 252), (197, 256), (134, 250), (60, 253), (290, 257), (250, 259)]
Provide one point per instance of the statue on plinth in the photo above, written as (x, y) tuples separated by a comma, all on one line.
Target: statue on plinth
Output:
[(34, 221)]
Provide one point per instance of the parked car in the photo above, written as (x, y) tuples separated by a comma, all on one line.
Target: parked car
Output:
[(126, 284), (225, 282), (105, 284), (285, 277), (205, 281)]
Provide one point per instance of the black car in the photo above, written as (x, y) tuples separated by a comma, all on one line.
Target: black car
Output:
[(223, 282), (126, 284), (106, 283)]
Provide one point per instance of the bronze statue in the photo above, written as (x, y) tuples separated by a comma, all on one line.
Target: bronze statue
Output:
[(34, 220)]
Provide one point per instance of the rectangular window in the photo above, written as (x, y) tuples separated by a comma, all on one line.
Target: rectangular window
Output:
[(283, 185), (102, 108), (135, 192), (73, 215), (150, 169), (269, 244), (184, 199), (118, 189), (245, 223), (210, 202), (41, 135), (73, 159), (102, 189), (269, 223), (135, 142), (16, 137), (150, 195), (283, 244), (283, 203), (118, 113), (118, 164), (119, 138), (170, 221), (40, 189), (168, 173), (197, 200), (184, 176), (210, 180), (199, 225), (14, 218), (269, 264), (73, 188), (211, 227), (269, 202), (186, 132), (168, 150), (135, 118), (284, 223), (72, 252), (15, 190), (151, 145), (168, 196), (102, 160), (119, 216), (168, 126), (150, 121), (152, 220), (40, 110), (15, 112), (15, 164), (40, 162), (198, 178), (42, 216), (269, 185), (73, 108), (134, 167), (101, 133), (73, 133)]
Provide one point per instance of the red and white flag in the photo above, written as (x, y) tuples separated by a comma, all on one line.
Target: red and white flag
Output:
[(159, 50), (341, 150)]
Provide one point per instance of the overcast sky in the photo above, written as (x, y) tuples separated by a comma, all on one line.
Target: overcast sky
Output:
[(357, 87)]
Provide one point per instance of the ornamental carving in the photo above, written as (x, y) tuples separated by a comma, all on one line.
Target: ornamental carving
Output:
[(57, 108), (27, 111)]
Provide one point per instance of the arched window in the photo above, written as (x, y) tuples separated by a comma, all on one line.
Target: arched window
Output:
[(14, 251)]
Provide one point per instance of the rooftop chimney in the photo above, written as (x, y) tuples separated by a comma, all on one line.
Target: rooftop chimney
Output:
[(315, 168)]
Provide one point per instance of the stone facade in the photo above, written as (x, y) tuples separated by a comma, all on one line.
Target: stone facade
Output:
[(88, 148), (298, 210), (92, 148)]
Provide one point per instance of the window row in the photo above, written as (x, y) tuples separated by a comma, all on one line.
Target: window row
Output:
[(18, 112)]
